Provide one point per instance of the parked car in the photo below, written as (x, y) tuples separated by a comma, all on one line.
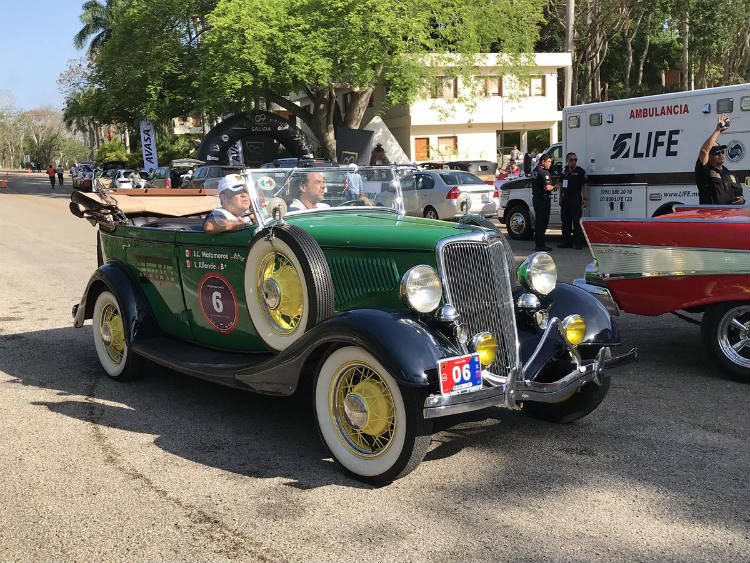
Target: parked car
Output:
[(695, 261), (484, 169), (123, 179), (171, 176), (208, 176), (388, 321), (83, 176), (447, 194)]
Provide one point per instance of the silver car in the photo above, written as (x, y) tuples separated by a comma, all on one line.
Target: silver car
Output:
[(447, 194)]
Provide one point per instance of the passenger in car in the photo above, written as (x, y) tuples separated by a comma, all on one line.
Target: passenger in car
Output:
[(312, 190), (234, 213)]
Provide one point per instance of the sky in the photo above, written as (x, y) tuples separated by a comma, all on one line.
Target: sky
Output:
[(36, 41)]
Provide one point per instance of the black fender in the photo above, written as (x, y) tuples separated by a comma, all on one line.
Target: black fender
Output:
[(567, 299), (138, 320), (553, 358), (408, 348)]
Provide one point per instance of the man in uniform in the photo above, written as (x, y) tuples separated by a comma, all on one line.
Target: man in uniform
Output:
[(573, 198), (716, 184), (541, 190)]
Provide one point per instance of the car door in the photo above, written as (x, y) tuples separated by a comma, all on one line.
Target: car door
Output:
[(212, 270), (409, 190), (151, 256), (425, 192)]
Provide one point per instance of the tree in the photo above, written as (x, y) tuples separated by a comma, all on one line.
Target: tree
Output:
[(99, 19), (262, 51), (44, 133)]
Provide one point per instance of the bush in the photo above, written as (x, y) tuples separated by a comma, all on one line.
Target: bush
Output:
[(110, 151)]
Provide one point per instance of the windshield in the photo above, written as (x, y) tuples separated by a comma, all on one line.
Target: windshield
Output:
[(305, 190)]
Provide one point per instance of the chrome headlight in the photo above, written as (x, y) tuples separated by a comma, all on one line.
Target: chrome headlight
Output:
[(538, 273), (421, 289)]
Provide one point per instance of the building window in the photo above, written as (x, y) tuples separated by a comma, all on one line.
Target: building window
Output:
[(491, 85), (445, 87), (536, 86), (448, 146)]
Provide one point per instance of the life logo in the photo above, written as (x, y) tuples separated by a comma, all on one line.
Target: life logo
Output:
[(735, 150), (645, 144)]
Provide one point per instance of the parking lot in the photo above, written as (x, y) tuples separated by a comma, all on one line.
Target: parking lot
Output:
[(172, 468)]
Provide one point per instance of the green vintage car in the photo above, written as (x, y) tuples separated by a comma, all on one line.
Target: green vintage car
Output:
[(391, 321)]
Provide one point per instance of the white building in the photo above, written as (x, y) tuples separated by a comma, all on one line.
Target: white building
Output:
[(442, 126)]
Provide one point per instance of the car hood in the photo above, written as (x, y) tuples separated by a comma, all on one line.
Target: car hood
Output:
[(375, 229)]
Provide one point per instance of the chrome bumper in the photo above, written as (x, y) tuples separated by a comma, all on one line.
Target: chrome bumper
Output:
[(508, 391), (601, 293)]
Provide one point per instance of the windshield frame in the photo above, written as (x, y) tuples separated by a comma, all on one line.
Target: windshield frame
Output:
[(263, 219)]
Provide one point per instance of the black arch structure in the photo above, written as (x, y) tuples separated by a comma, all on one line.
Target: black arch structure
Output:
[(214, 146)]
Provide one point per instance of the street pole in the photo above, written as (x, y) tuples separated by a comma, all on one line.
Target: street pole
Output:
[(570, 8)]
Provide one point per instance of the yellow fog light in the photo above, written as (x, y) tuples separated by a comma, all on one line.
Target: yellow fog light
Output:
[(575, 329), (485, 345)]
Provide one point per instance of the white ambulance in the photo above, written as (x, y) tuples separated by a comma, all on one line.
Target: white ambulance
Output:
[(639, 154)]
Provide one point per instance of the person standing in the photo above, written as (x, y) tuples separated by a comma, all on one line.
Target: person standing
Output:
[(515, 154), (541, 191), (573, 198), (51, 174), (716, 185), (60, 171)]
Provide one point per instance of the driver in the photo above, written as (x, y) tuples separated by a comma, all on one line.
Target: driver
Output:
[(312, 190), (234, 213)]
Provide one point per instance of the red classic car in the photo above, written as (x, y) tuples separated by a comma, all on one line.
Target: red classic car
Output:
[(696, 259)]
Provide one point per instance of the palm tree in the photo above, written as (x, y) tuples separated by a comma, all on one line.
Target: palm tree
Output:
[(98, 20)]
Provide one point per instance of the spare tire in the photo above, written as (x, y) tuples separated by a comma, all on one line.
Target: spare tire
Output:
[(288, 285)]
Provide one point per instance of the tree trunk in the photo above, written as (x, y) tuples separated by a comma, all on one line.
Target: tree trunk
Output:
[(356, 108), (628, 63), (639, 81), (127, 140), (685, 82)]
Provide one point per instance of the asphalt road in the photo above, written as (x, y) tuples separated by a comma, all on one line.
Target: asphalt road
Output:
[(172, 468)]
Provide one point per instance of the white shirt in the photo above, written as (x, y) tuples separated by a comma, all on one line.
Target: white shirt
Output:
[(297, 205), (221, 215)]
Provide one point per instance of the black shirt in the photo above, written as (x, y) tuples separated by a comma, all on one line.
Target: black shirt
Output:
[(718, 187), (540, 177), (576, 179)]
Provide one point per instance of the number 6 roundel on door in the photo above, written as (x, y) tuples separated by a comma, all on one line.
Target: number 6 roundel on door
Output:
[(218, 302)]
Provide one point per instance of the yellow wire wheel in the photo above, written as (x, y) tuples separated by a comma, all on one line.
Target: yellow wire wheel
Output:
[(288, 286), (279, 294), (110, 339), (373, 428), (112, 333), (362, 410)]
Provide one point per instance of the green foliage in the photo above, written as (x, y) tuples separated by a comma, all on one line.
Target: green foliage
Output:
[(110, 151), (169, 147)]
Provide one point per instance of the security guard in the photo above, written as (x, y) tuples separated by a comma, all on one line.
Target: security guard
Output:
[(573, 198), (716, 184), (541, 190)]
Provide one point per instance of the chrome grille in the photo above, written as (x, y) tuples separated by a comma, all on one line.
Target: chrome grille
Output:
[(478, 286)]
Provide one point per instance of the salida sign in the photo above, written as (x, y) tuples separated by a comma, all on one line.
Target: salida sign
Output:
[(649, 144)]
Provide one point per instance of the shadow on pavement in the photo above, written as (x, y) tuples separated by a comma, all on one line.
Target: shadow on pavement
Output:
[(662, 434)]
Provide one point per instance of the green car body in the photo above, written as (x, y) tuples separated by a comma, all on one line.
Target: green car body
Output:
[(217, 306)]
